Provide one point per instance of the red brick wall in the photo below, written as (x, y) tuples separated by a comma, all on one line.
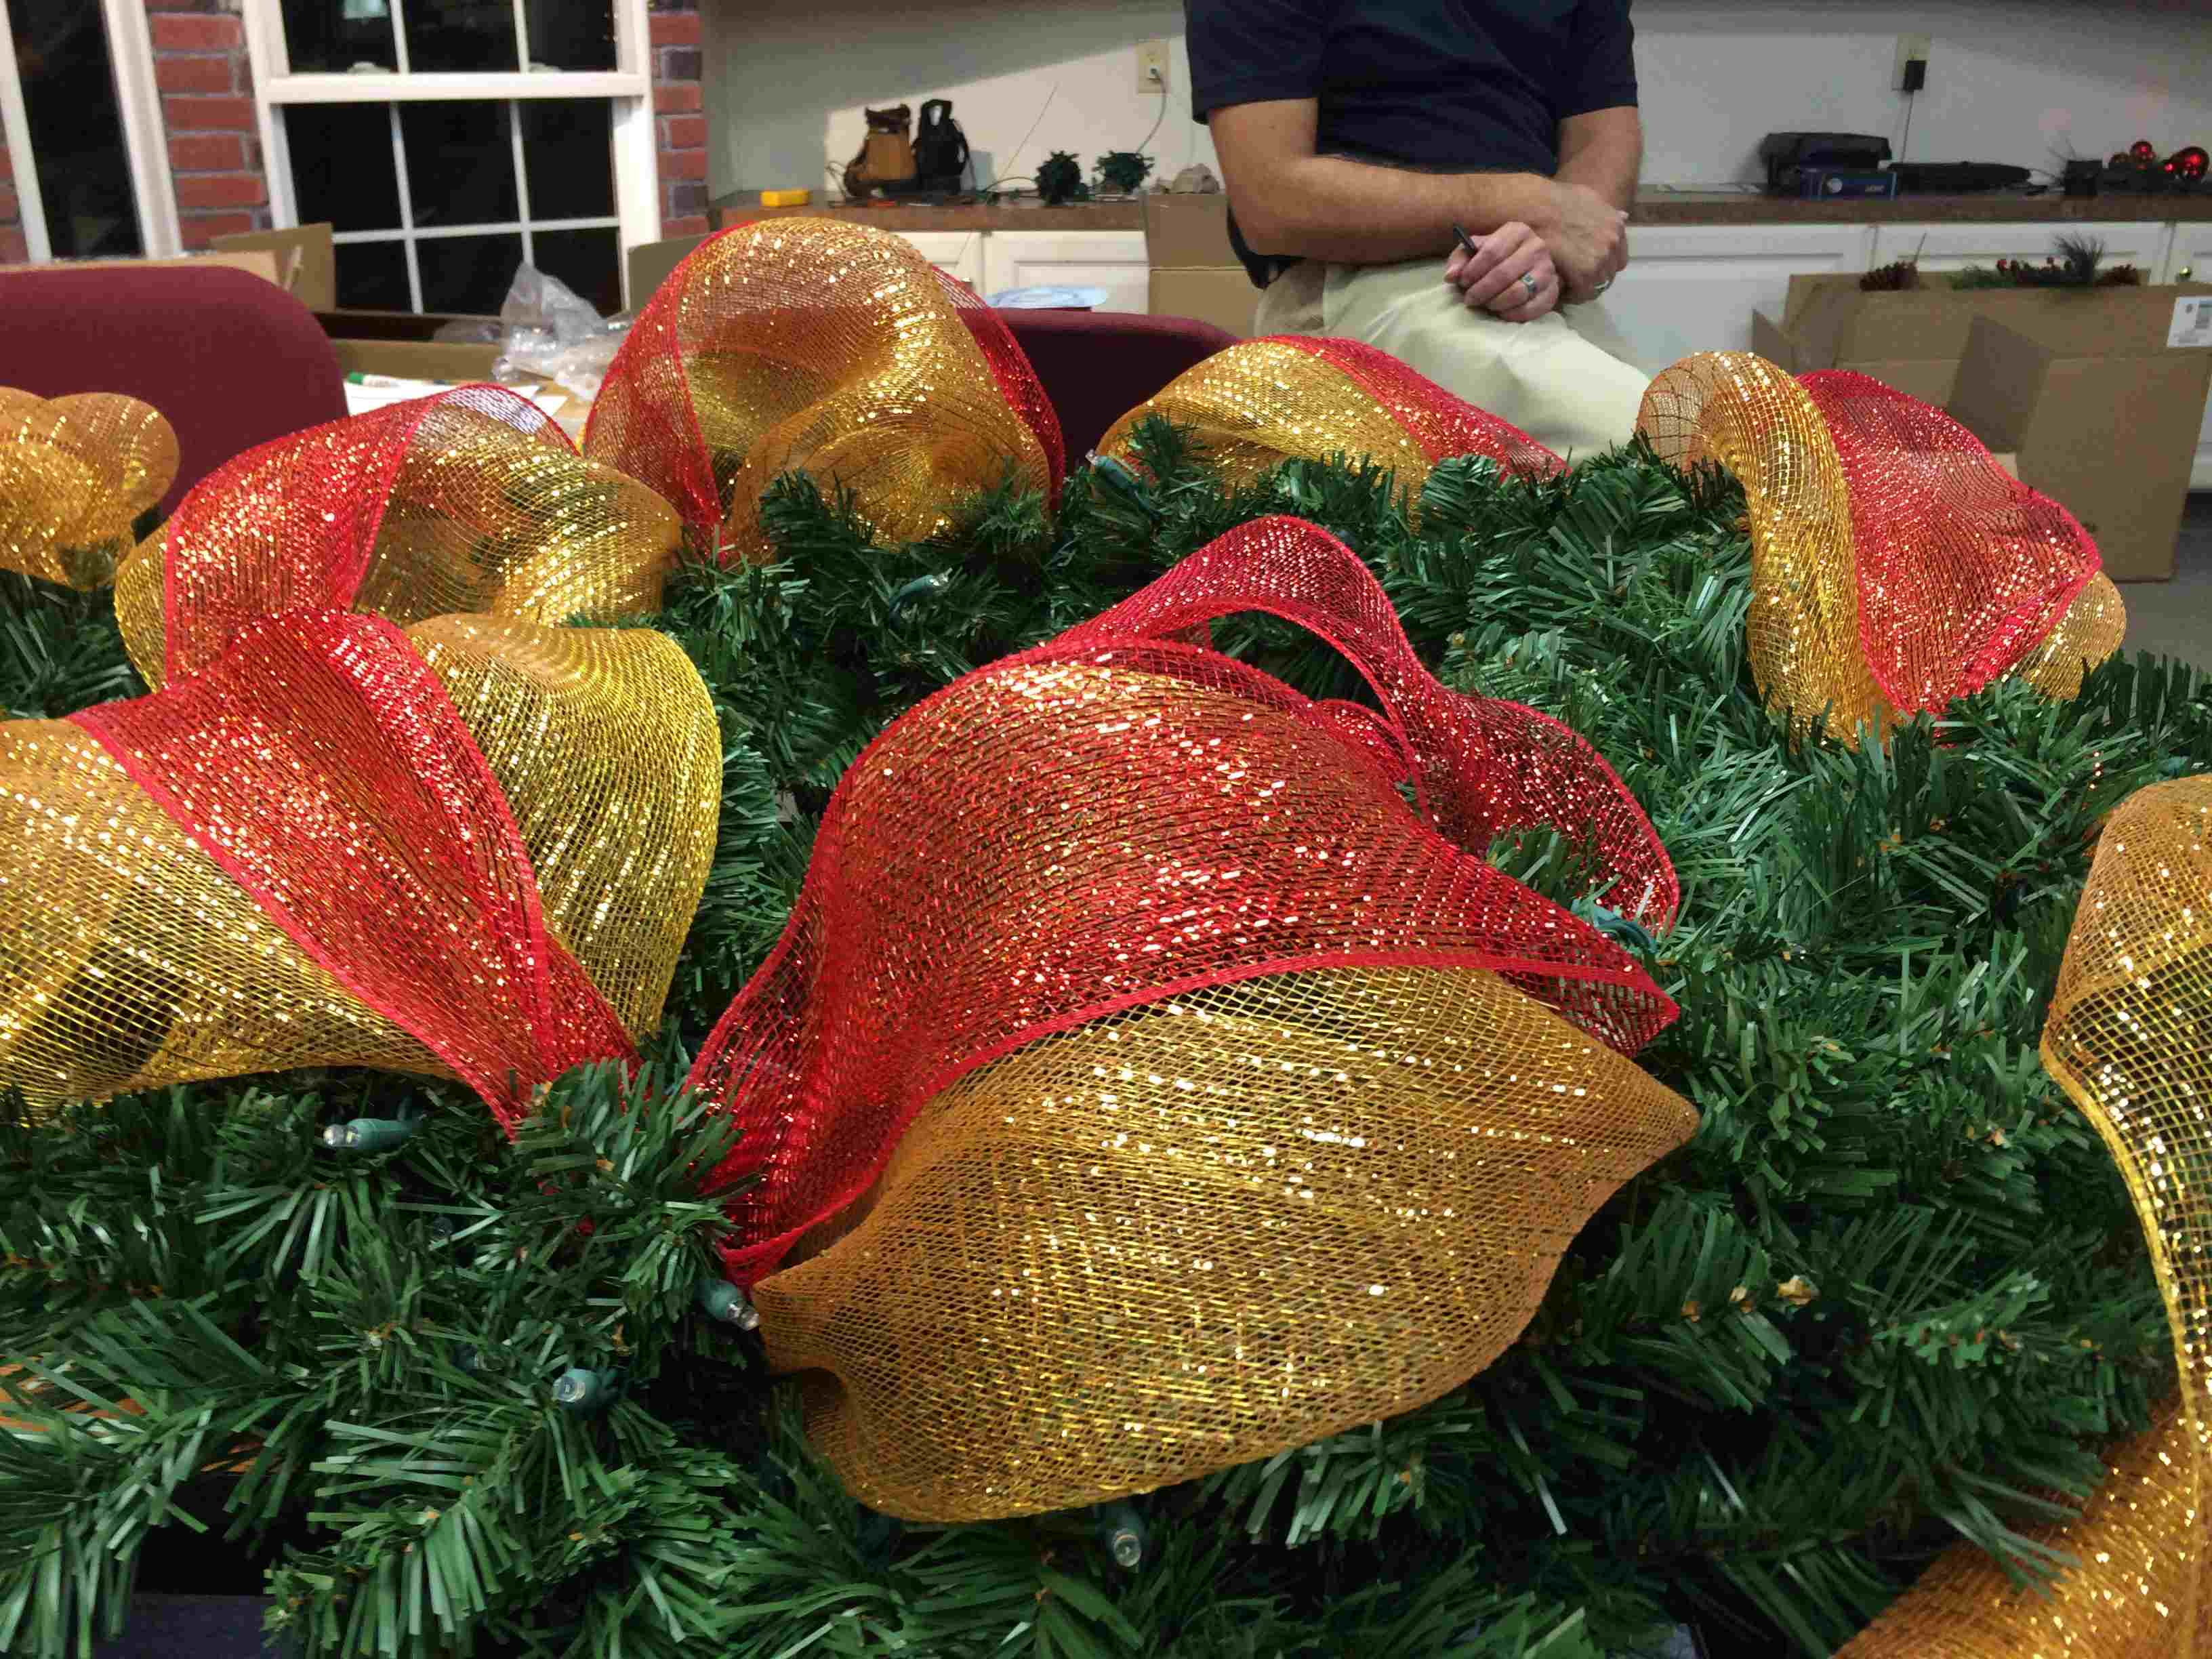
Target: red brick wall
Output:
[(206, 84), (680, 115), (14, 251)]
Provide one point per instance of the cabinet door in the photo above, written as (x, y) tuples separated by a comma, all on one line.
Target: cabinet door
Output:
[(1115, 260), (1947, 246), (1693, 287), (2192, 252), (956, 252)]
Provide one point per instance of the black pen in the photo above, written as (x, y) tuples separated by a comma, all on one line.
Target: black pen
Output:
[(1465, 240)]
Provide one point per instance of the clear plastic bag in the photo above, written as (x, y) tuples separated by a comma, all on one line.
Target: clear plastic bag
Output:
[(551, 332)]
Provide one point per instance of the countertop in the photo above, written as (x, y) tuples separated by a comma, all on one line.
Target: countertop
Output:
[(1653, 207)]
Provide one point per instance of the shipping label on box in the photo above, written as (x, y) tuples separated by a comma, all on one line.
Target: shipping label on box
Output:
[(2192, 322)]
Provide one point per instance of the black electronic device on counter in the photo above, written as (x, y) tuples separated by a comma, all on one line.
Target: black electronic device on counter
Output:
[(1957, 177), (1845, 184), (1786, 153)]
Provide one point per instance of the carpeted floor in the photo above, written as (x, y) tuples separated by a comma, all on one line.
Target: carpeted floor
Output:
[(2174, 618)]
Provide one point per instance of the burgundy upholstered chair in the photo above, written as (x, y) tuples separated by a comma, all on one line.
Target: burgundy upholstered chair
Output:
[(232, 361), (1096, 365)]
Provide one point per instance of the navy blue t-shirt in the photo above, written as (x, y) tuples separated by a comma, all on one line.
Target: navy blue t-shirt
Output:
[(1474, 86)]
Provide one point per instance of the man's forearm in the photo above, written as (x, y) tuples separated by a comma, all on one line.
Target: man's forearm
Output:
[(1603, 151), (1326, 207)]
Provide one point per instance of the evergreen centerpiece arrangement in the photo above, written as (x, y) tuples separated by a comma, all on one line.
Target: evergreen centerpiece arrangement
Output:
[(474, 1396)]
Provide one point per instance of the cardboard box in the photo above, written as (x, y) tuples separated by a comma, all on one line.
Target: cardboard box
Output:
[(648, 263), (260, 263), (403, 343), (1913, 339), (307, 262), (1194, 271), (1930, 379), (2102, 413)]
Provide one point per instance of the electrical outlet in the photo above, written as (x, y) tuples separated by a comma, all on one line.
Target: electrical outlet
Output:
[(1910, 48), (1153, 66)]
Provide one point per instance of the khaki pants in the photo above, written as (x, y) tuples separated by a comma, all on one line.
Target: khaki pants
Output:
[(1551, 378)]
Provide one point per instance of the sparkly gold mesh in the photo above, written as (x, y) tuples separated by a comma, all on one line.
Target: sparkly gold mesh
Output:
[(2090, 631), (470, 500), (1895, 566), (606, 745), (307, 855), (2132, 1595), (1258, 403), (2129, 1038), (75, 473), (1205, 1232), (830, 349), (1742, 413), (134, 961)]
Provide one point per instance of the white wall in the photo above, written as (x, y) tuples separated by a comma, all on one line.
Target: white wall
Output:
[(2009, 80)]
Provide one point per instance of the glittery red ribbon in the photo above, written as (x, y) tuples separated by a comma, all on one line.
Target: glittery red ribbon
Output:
[(1962, 569), (321, 765), (1124, 815), (289, 525)]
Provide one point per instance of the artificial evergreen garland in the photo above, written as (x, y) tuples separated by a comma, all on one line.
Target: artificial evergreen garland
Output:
[(1891, 1295)]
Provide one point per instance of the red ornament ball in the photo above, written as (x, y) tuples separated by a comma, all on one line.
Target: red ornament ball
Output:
[(2189, 164), (2143, 151)]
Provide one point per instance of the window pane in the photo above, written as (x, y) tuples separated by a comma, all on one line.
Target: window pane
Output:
[(460, 163), (568, 154), (341, 167), (588, 260), (76, 132), (468, 275), (331, 36), (572, 35), (461, 34), (373, 277)]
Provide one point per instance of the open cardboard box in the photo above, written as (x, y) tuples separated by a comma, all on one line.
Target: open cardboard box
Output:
[(1913, 339), (2103, 411), (404, 345), (1194, 271)]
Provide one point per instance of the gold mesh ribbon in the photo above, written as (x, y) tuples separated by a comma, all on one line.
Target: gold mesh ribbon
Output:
[(1154, 1076), (606, 745), (831, 349), (470, 500), (1206, 1232), (308, 861), (1894, 566), (1258, 403), (75, 474), (2129, 1038)]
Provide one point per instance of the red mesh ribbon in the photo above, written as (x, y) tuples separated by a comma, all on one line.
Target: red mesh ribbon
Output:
[(1122, 815), (399, 870), (472, 499), (834, 349), (1962, 569)]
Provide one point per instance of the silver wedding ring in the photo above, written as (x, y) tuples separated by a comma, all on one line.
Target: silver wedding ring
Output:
[(1529, 281)]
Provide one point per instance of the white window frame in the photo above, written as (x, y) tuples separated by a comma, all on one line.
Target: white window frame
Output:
[(627, 86), (145, 140)]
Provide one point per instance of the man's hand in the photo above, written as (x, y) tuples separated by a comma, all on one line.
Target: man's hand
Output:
[(1588, 237), (1511, 274)]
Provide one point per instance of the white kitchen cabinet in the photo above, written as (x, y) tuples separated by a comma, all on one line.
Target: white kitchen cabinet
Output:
[(1693, 287), (2191, 251), (1947, 246), (1116, 261), (956, 252)]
